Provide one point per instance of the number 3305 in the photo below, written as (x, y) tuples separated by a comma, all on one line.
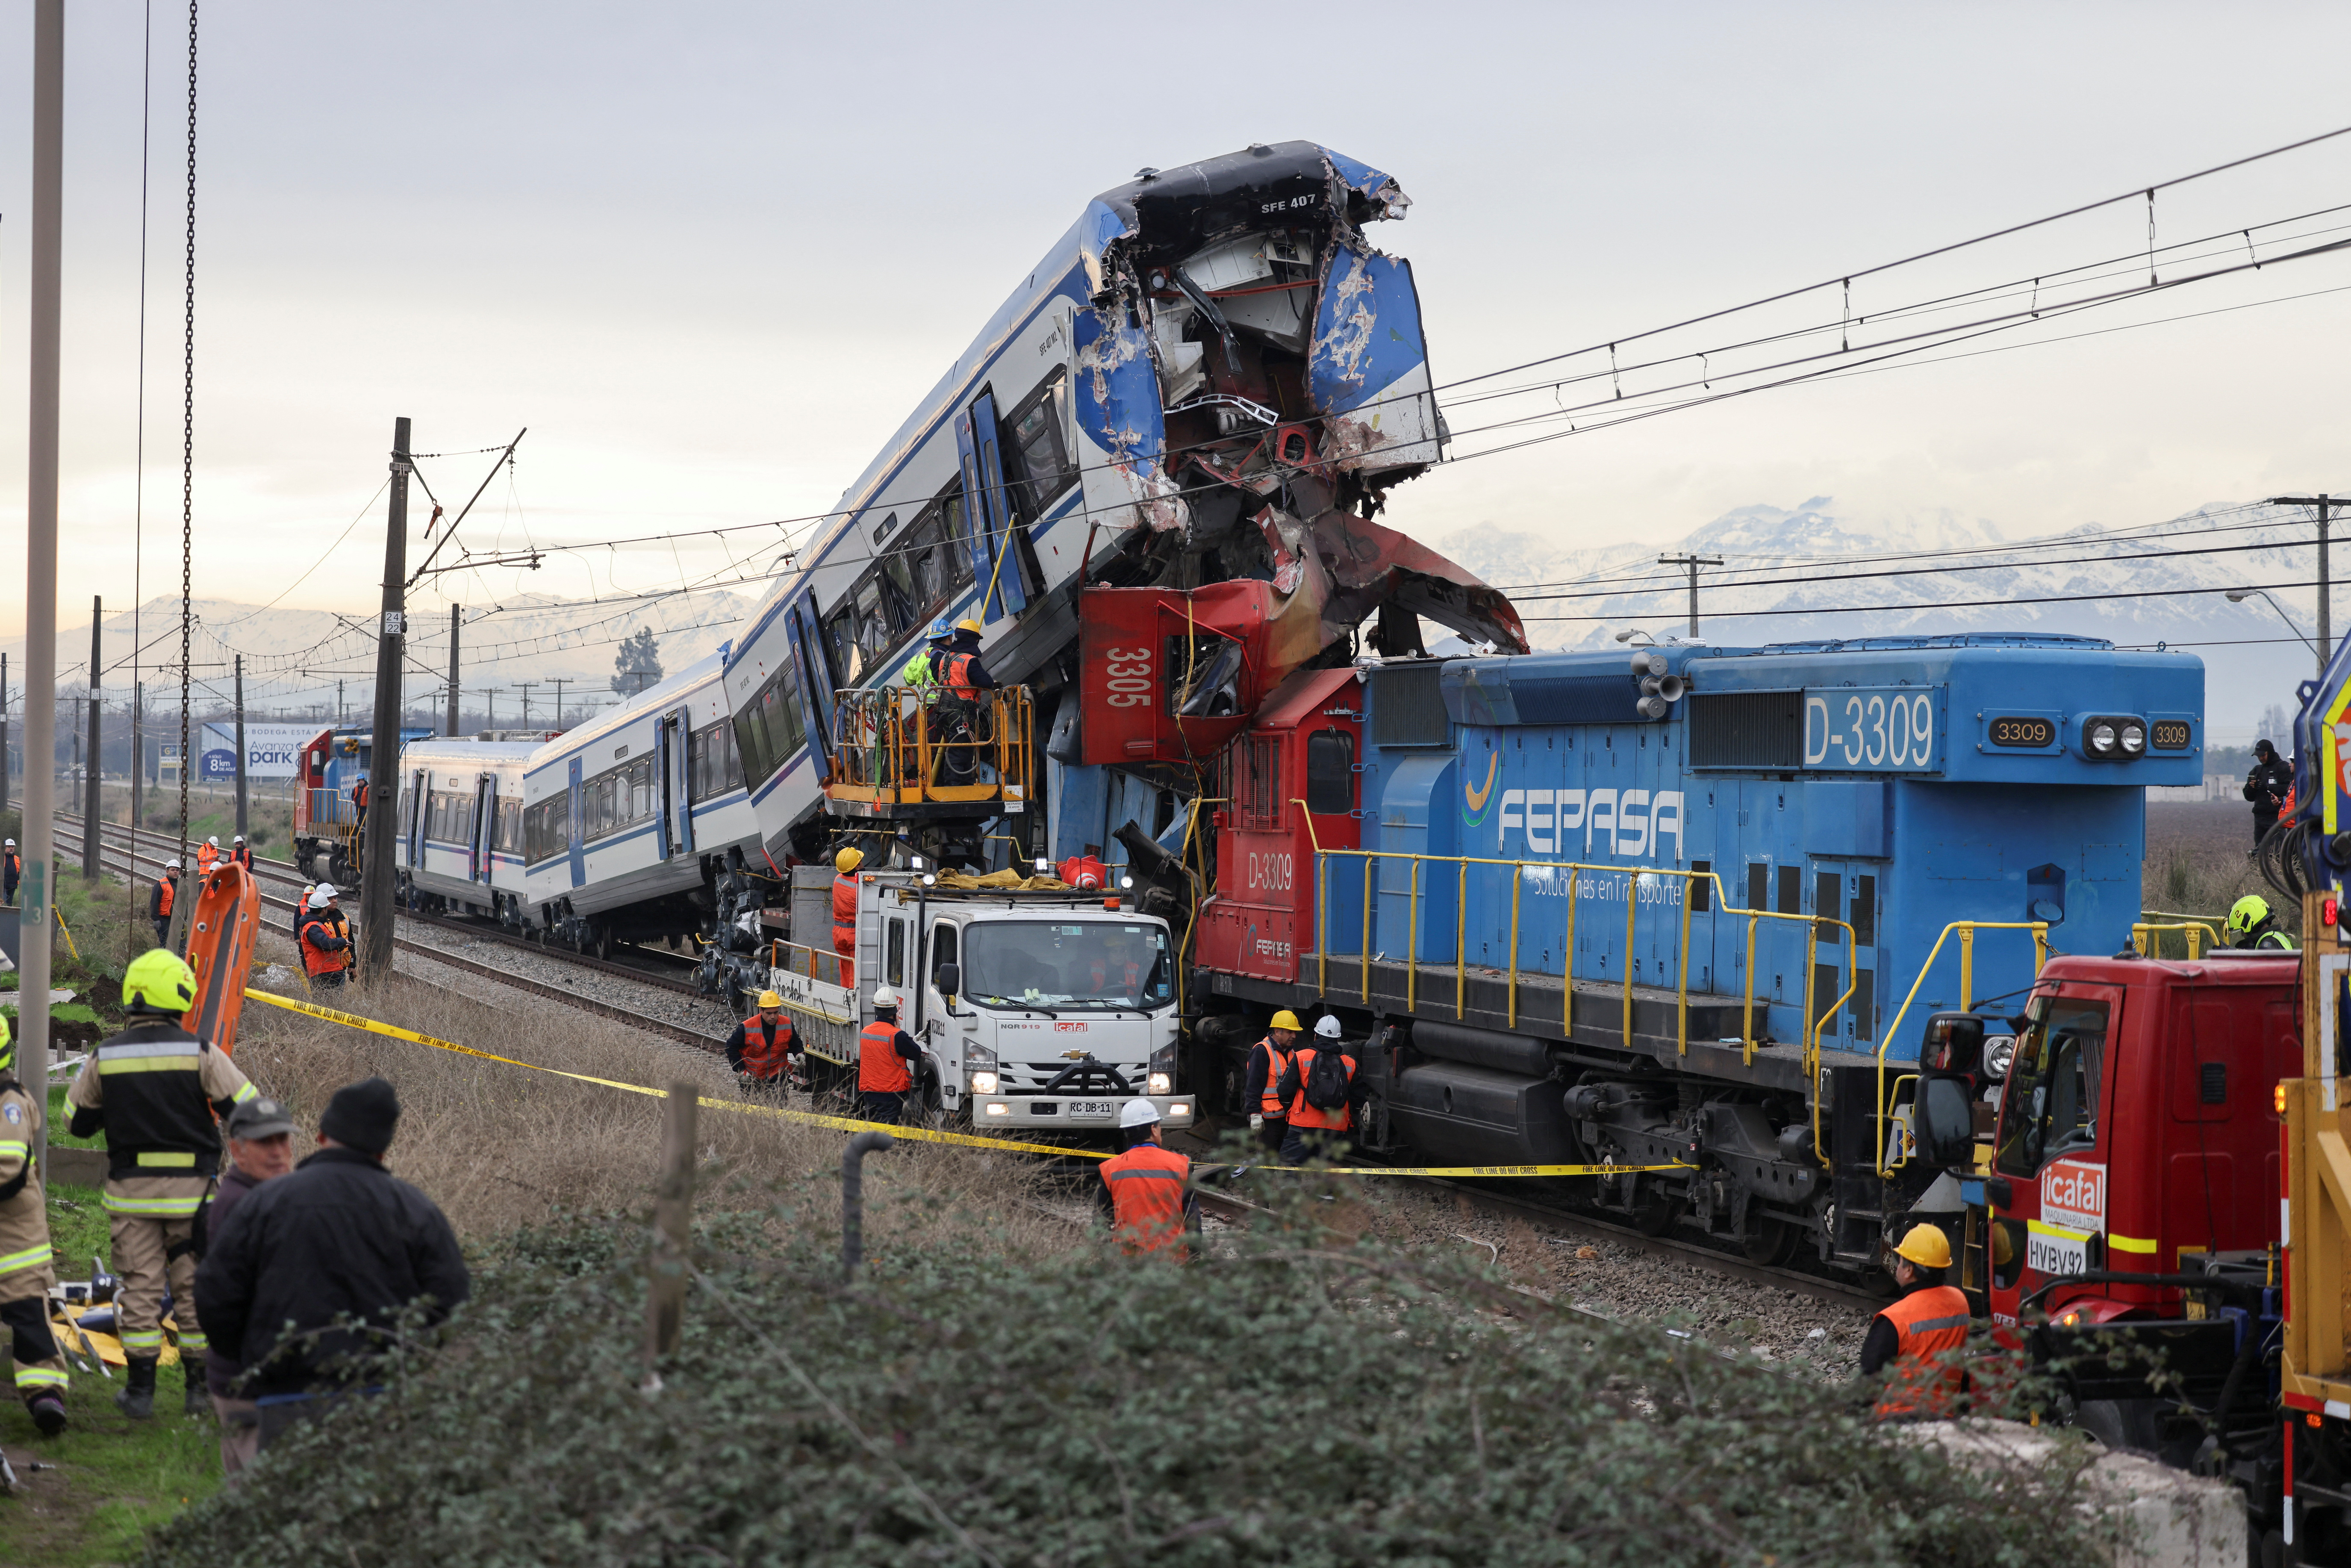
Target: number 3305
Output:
[(1129, 671)]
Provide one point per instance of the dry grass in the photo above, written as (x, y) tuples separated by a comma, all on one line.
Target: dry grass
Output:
[(499, 1147), (2196, 860)]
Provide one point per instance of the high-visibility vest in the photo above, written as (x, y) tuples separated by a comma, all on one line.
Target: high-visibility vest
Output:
[(845, 915), (880, 1069), (1147, 1196), (207, 857), (1269, 1102), (243, 857), (765, 1044), (358, 794), (1301, 1115), (165, 890), (1104, 973), (959, 679), (1920, 1380), (1084, 871), (316, 960)]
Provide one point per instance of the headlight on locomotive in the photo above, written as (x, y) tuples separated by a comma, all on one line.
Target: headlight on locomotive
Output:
[(2114, 738)]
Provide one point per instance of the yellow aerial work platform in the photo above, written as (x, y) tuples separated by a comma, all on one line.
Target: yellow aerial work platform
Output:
[(2315, 1374), (921, 754)]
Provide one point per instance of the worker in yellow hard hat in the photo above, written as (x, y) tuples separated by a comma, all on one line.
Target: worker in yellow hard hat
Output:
[(844, 910), (1268, 1059), (1914, 1346), (2252, 923), (762, 1046)]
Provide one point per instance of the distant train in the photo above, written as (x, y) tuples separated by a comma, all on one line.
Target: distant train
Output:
[(1764, 868), (334, 763)]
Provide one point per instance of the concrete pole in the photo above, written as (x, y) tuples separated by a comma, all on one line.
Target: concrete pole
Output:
[(37, 839), (3, 732), (95, 767), (2325, 618), (376, 870), (456, 622), (240, 745)]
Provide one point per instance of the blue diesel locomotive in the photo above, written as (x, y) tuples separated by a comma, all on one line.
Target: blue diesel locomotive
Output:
[(1694, 912)]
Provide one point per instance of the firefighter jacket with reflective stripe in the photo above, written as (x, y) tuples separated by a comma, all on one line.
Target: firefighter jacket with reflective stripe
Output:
[(25, 1268), (882, 1049), (845, 915), (1146, 1195), (1267, 1062), (1292, 1087), (759, 1047), (326, 942), (154, 1088), (1924, 1378)]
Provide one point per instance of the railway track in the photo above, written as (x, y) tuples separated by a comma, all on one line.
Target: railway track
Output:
[(127, 858)]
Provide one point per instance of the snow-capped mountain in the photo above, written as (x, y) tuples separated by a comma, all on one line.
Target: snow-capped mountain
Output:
[(1799, 574)]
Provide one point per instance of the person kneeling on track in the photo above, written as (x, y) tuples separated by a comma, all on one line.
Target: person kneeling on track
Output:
[(1319, 1088), (1145, 1190), (1268, 1060), (326, 938), (1914, 1344), (25, 1271), (760, 1049), (885, 1055), (154, 1090)]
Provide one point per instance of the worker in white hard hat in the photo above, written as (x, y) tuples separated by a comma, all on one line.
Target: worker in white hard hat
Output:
[(208, 855), (327, 949), (1148, 1189), (1318, 1091), (12, 870), (242, 855), (886, 1056), (160, 900), (1914, 1346)]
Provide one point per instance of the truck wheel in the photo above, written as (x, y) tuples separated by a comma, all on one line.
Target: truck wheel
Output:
[(2126, 1426)]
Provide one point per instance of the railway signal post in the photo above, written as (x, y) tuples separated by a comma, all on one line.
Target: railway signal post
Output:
[(376, 833)]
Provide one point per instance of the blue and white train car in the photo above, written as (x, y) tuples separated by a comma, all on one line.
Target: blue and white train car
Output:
[(626, 820), (1210, 366), (460, 845)]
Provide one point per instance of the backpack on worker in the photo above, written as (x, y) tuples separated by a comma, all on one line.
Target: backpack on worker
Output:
[(1327, 1081)]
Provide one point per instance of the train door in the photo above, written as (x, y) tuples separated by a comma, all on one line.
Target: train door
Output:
[(673, 757), (993, 558), (816, 674), (484, 834), (1845, 890), (417, 796)]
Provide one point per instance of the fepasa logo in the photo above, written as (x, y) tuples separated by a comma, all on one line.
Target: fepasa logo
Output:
[(2073, 1195)]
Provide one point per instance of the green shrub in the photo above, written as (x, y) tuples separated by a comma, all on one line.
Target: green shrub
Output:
[(1300, 1400)]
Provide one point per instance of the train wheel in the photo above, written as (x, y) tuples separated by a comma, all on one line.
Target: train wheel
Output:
[(1769, 1243), (1657, 1215)]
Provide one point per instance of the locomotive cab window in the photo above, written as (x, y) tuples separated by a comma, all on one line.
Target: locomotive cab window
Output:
[(1330, 772), (2051, 1106)]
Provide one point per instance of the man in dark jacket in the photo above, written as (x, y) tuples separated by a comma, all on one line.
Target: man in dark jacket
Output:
[(2267, 785), (260, 1149), (339, 1236)]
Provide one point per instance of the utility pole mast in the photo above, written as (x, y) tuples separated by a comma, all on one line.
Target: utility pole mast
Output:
[(1692, 562), (383, 756), (90, 773), (456, 621), (38, 835), (490, 709), (3, 732), (2325, 618), (558, 683), (240, 745), (526, 687), (138, 746)]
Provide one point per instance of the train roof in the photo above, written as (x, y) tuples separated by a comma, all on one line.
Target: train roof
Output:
[(663, 694), (459, 747)]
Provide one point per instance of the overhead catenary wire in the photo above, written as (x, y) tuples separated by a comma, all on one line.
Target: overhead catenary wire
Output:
[(1793, 611)]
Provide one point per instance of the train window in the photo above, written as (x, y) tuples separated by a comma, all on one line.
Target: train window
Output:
[(840, 641), (641, 790), (782, 706), (2054, 1082), (1035, 431), (875, 633), (1791, 890), (955, 530), (509, 825), (1257, 783), (546, 828), (898, 595), (927, 557), (1329, 771)]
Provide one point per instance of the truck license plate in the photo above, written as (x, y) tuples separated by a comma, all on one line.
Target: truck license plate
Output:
[(1093, 1107), (2046, 1254)]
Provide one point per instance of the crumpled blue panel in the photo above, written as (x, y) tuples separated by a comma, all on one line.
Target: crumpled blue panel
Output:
[(1366, 330), (1118, 388), (1377, 185), (1098, 230)]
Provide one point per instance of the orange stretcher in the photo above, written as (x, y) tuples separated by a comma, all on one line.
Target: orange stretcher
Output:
[(220, 950)]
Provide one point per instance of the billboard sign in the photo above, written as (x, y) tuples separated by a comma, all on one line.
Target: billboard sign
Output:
[(271, 751)]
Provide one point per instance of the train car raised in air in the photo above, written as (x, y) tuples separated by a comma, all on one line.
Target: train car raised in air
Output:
[(1692, 913), (460, 846), (1212, 378), (627, 821)]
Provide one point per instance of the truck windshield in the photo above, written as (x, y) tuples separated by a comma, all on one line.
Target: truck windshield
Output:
[(2052, 1104), (1065, 965)]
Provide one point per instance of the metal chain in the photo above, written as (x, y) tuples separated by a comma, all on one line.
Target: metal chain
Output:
[(188, 446)]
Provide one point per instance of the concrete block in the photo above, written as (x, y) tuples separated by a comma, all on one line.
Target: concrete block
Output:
[(2171, 1518)]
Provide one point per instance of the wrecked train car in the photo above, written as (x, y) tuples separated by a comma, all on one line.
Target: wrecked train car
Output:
[(1209, 383)]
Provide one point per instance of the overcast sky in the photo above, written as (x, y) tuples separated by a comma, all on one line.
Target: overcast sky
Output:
[(711, 256)]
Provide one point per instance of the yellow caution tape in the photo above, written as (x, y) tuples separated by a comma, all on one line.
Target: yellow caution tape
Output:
[(917, 1134)]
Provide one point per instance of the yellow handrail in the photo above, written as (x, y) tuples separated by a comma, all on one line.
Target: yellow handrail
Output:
[(2196, 931), (2040, 929), (1814, 1024)]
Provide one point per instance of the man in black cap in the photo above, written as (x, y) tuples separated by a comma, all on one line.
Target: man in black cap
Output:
[(260, 1149), (2267, 784), (339, 1236)]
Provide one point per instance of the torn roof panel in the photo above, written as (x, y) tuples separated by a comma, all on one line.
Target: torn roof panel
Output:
[(1166, 215)]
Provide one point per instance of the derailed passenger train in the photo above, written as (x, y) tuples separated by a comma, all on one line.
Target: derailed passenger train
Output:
[(1693, 914)]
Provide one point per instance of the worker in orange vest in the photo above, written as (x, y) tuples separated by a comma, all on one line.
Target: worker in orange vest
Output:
[(1146, 1188), (241, 854), (1913, 1346), (326, 938), (884, 1052), (962, 675), (762, 1046), (159, 901), (12, 872), (844, 911), (208, 855), (1085, 870), (1268, 1059), (1320, 1103)]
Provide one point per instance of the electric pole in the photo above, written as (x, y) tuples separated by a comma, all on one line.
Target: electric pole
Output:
[(2325, 619), (558, 683), (90, 773), (240, 745), (455, 621), (376, 869), (138, 746), (490, 709), (3, 732), (525, 687), (1693, 562), (38, 835)]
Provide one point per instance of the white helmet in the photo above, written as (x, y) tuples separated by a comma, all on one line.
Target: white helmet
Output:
[(214, 842), (321, 894), (1138, 1113), (1327, 1026), (172, 864), (240, 838), (9, 845), (884, 996)]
